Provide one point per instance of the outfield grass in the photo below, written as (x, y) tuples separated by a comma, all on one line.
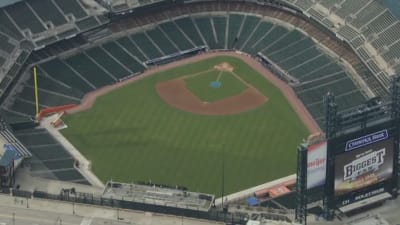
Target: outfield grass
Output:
[(132, 135), (199, 85)]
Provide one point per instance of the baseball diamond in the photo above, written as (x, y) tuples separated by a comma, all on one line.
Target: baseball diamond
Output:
[(153, 139)]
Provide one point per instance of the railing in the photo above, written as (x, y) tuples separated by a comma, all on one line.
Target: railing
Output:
[(90, 199)]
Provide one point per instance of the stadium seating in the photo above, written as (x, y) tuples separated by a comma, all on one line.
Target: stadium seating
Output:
[(316, 14), (291, 49), (220, 27), (314, 93), (327, 69), (131, 46), (50, 85), (387, 37), (124, 57), (10, 138), (162, 41), (393, 54), (272, 36), (67, 33), (304, 4), (311, 65), (58, 70), (13, 117), (50, 158), (381, 22), (362, 52), (47, 12), (249, 23), (347, 7), (25, 18), (262, 29), (71, 7), (235, 23), (8, 26), (70, 77), (366, 14), (175, 35), (66, 79), (278, 38), (47, 98), (357, 42), (188, 27), (329, 4), (108, 62), (207, 31), (146, 45), (2, 61), (23, 107), (87, 23), (373, 66), (5, 45), (296, 59), (60, 47), (348, 33), (90, 70), (46, 41)]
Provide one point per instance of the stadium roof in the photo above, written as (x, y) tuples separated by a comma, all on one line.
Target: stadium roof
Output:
[(8, 2)]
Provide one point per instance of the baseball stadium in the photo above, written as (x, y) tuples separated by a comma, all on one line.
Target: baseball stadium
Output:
[(200, 108)]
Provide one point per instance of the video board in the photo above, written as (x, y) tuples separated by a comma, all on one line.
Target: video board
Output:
[(316, 165), (366, 161)]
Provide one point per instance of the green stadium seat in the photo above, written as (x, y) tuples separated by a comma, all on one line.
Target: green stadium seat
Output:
[(89, 70)]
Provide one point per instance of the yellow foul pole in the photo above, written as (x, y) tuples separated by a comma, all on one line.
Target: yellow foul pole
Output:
[(36, 90)]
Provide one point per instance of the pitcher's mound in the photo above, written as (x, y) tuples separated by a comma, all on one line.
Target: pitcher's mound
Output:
[(175, 93)]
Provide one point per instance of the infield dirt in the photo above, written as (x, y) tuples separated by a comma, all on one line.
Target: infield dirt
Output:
[(175, 93)]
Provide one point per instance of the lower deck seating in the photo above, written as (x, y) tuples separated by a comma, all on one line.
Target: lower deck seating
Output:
[(207, 31), (50, 159), (249, 23), (11, 139), (175, 34)]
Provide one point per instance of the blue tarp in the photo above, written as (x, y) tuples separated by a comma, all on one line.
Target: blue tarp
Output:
[(252, 201), (12, 148), (7, 158)]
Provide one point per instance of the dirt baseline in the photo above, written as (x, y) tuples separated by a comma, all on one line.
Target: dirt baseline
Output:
[(175, 93)]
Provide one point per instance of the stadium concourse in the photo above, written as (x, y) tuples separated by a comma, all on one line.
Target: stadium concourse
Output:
[(348, 47)]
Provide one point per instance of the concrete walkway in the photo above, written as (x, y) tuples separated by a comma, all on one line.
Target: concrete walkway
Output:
[(16, 210), (84, 164), (33, 183), (242, 195)]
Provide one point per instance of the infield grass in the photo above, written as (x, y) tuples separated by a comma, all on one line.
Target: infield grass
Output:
[(131, 134), (200, 86)]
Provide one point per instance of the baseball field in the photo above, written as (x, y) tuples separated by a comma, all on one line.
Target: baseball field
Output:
[(181, 125)]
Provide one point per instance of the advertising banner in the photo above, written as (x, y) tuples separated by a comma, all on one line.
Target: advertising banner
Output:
[(316, 165), (366, 161)]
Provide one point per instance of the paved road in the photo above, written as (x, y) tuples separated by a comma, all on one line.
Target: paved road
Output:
[(15, 215), (20, 211)]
